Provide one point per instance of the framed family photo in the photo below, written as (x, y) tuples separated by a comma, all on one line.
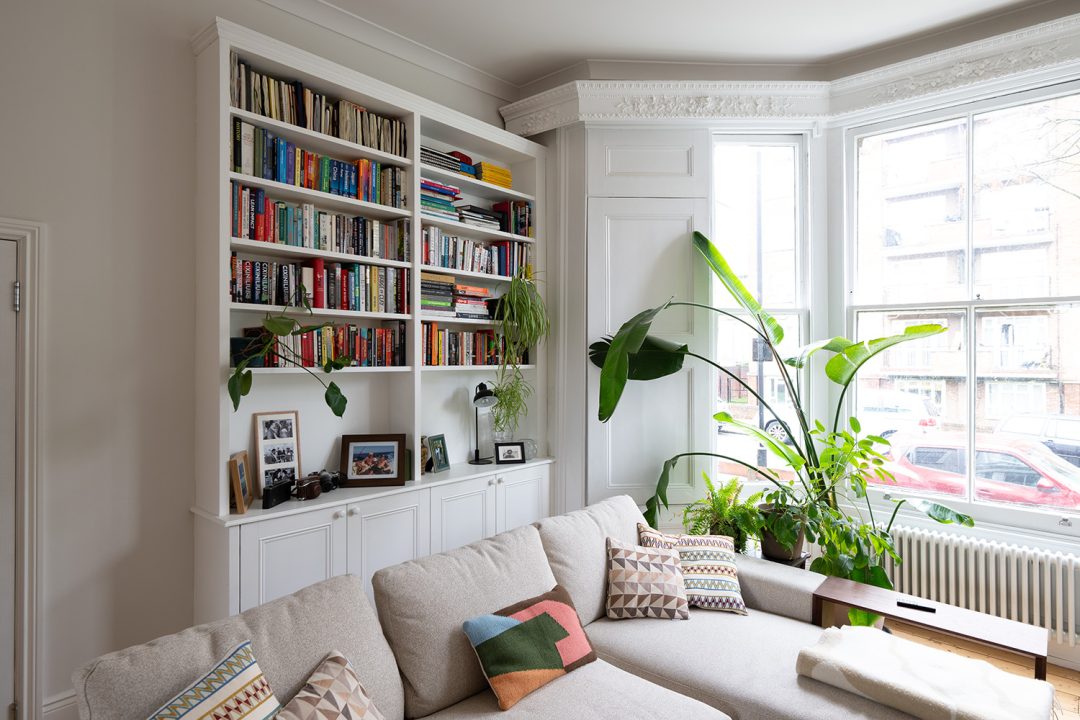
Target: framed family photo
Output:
[(373, 460), (509, 453), (240, 476), (440, 459), (277, 448)]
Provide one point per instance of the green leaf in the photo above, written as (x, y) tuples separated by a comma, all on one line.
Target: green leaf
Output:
[(862, 618), (335, 400), (652, 511), (855, 426), (239, 385), (616, 369), (279, 324), (836, 344), (734, 285), (944, 515), (656, 357), (310, 328), (781, 450), (841, 368)]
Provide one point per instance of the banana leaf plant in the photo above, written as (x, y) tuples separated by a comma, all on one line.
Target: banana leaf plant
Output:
[(267, 344), (824, 491)]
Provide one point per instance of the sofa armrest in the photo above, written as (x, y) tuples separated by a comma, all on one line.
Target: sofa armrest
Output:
[(777, 588)]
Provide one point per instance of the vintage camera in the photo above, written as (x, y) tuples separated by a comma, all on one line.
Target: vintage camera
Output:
[(277, 493), (329, 480), (308, 488)]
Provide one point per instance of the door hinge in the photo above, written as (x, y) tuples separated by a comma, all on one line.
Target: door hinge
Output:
[(16, 296)]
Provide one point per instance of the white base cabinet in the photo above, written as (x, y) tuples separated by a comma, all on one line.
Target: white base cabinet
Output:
[(388, 531)]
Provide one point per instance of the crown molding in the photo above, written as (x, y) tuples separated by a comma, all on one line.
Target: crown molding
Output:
[(1044, 53)]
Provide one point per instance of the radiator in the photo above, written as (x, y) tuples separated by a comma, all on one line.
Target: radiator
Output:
[(1032, 586)]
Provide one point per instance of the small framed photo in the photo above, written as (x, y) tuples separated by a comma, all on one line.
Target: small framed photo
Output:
[(509, 453), (373, 460), (239, 473), (277, 448), (440, 459)]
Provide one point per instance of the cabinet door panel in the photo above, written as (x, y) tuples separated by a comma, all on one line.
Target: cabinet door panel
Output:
[(462, 513), (649, 163), (387, 531), (523, 496), (282, 555)]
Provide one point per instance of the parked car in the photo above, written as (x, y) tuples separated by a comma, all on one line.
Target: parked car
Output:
[(1060, 433), (1009, 470)]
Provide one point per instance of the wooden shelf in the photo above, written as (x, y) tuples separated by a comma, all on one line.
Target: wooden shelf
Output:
[(472, 186), (472, 231), (325, 201), (317, 312), (259, 247), (320, 142), (347, 371), (488, 277)]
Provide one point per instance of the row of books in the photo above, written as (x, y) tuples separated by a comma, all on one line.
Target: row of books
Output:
[(441, 295), (336, 286), (364, 346), (255, 216), (259, 153), (289, 101), (445, 347), (503, 258), (442, 201), (515, 216), (458, 162)]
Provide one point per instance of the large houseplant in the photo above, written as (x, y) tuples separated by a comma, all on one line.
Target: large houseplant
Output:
[(523, 323), (823, 492)]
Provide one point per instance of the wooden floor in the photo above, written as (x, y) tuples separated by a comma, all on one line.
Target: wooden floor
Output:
[(1065, 681)]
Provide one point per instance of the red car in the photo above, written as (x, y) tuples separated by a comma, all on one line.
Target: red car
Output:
[(1007, 470)]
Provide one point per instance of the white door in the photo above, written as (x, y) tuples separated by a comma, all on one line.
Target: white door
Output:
[(523, 496), (8, 431), (282, 555), (639, 255), (387, 531), (462, 513)]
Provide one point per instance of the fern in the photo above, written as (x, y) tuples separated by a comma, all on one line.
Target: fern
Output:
[(721, 512)]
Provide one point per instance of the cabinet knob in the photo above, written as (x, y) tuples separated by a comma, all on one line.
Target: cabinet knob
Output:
[(339, 514), (353, 512), (491, 482), (499, 481)]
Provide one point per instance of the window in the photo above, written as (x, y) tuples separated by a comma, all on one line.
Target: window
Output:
[(972, 221)]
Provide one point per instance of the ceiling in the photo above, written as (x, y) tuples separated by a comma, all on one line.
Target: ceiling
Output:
[(519, 42)]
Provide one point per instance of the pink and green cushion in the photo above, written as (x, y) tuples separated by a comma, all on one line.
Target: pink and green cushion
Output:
[(525, 646)]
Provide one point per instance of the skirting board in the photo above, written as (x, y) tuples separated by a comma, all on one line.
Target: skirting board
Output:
[(61, 706)]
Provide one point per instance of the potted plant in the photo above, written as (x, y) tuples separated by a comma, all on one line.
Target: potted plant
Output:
[(721, 512), (822, 492), (523, 323)]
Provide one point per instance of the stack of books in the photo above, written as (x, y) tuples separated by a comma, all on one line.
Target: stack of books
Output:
[(446, 161), (437, 294), (494, 174), (470, 302), (479, 216), (437, 199)]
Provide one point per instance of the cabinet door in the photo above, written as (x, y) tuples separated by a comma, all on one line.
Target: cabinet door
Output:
[(523, 496), (387, 531), (282, 555), (649, 163), (462, 513)]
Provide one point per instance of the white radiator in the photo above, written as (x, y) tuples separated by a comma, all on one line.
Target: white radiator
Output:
[(1010, 581)]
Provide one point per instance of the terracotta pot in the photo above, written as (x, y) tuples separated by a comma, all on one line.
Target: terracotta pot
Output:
[(771, 547)]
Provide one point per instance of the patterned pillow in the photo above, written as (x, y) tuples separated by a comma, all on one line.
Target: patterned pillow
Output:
[(708, 566), (527, 645), (644, 582), (333, 691), (235, 688)]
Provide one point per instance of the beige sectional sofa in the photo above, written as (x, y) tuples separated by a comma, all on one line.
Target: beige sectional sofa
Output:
[(416, 662)]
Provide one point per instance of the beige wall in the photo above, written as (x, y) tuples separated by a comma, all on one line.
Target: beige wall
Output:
[(96, 141)]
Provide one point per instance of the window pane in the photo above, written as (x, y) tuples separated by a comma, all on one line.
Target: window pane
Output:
[(915, 395), (1027, 200), (755, 219), (1028, 411), (911, 229)]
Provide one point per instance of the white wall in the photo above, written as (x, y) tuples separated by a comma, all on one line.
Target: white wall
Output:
[(96, 141)]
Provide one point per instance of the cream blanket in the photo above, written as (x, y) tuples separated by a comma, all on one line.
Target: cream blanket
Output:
[(922, 681)]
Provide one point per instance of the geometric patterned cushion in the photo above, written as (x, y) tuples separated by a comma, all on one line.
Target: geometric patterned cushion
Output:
[(234, 689), (644, 583), (333, 691), (527, 645), (708, 566)]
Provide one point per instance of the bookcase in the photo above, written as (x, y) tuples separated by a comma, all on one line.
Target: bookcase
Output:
[(286, 196)]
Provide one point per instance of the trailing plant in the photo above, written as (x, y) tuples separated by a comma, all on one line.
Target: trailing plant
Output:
[(823, 491), (524, 323), (721, 512)]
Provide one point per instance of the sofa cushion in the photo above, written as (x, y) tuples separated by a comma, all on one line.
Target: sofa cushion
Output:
[(423, 603), (576, 543), (743, 665), (234, 687), (708, 565), (644, 583), (598, 691), (290, 637), (333, 692)]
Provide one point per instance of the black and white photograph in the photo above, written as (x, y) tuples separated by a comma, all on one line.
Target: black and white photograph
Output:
[(278, 475), (277, 447), (509, 453), (279, 453), (369, 460), (278, 429)]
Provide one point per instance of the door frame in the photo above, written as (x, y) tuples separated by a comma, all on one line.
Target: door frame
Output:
[(28, 521)]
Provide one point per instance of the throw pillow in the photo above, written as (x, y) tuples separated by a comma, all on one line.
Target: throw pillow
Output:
[(527, 645), (644, 583), (708, 566), (333, 691), (235, 688)]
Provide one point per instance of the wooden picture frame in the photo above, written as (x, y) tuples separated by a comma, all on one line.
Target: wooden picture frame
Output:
[(277, 447), (374, 460), (440, 458), (243, 492), (510, 453)]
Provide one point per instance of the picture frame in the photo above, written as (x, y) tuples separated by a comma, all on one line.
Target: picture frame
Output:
[(440, 458), (277, 447), (374, 460), (510, 453), (243, 492)]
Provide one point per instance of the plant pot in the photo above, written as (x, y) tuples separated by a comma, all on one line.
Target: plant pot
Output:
[(772, 549)]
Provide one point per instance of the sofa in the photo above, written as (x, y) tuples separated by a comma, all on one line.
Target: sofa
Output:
[(412, 657)]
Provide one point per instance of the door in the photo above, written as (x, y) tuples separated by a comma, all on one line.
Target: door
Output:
[(8, 379), (462, 513), (387, 531), (523, 496), (282, 555)]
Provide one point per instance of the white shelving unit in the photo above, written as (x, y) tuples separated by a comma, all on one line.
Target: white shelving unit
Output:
[(412, 400)]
